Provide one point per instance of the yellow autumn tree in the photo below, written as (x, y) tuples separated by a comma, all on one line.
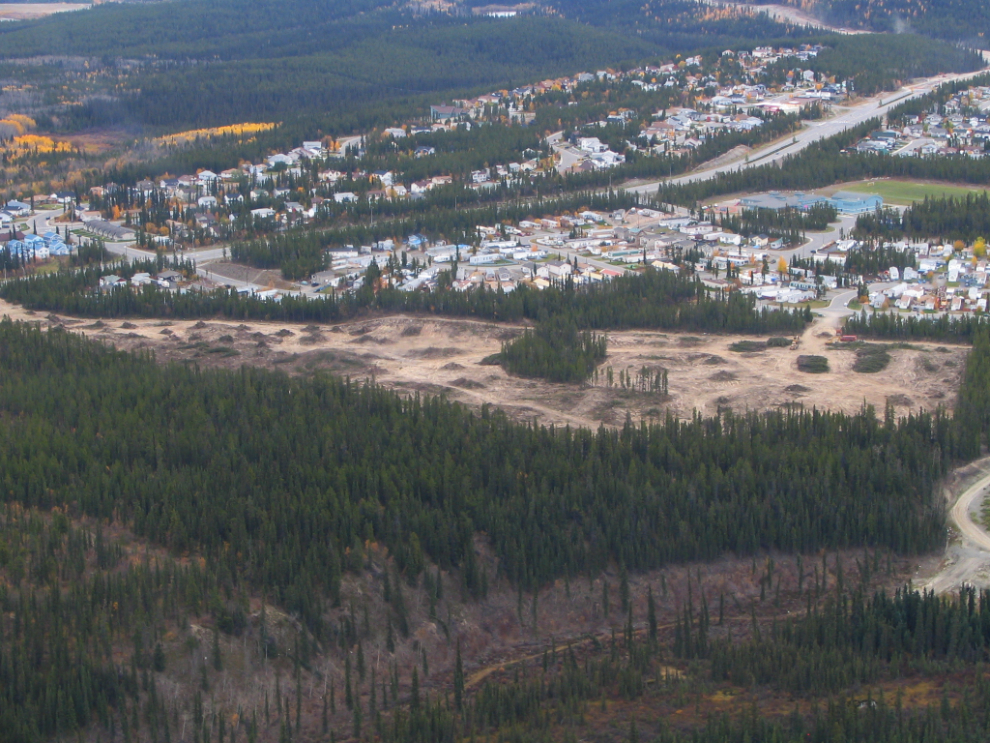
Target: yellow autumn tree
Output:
[(980, 248)]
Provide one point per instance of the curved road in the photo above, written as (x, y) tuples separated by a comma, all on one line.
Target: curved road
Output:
[(961, 514), (968, 561)]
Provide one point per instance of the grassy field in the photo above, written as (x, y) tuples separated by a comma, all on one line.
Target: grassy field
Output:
[(906, 192)]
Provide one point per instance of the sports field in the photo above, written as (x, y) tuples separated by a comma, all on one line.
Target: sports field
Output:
[(907, 192)]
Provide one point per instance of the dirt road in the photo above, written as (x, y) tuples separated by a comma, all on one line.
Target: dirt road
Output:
[(967, 559)]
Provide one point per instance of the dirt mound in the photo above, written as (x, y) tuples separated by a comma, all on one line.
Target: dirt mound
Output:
[(797, 389), (128, 326), (723, 376), (713, 360), (411, 330), (199, 326), (467, 384), (283, 333), (452, 366), (369, 339), (748, 346), (433, 353), (900, 400)]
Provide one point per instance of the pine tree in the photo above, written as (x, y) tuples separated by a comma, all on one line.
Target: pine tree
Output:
[(651, 616), (459, 680), (217, 660)]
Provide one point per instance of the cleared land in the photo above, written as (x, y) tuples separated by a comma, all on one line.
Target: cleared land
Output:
[(435, 355), (906, 192), (27, 11)]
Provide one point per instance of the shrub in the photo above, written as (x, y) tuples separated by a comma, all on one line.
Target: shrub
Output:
[(812, 364), (871, 359)]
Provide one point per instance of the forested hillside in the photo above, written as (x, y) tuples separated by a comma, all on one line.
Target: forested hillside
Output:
[(144, 441), (208, 62), (282, 484)]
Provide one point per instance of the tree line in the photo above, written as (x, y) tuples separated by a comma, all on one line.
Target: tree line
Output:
[(652, 299), (947, 218), (961, 329)]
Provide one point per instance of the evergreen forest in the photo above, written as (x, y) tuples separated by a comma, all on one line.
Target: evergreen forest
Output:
[(653, 299), (282, 485)]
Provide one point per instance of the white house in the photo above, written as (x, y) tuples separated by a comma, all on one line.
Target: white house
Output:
[(591, 144)]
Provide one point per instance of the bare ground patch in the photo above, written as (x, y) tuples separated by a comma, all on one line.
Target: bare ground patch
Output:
[(445, 355)]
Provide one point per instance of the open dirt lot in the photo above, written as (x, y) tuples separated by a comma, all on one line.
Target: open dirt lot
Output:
[(27, 11), (435, 355)]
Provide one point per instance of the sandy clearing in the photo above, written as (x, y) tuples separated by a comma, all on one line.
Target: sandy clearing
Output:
[(440, 355), (26, 11), (961, 514), (967, 556)]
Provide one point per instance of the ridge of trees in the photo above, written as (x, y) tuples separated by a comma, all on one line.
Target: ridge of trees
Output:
[(652, 299), (948, 218), (943, 327)]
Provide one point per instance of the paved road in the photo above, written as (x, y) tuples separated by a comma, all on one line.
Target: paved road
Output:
[(817, 240), (848, 118), (837, 307), (202, 258)]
